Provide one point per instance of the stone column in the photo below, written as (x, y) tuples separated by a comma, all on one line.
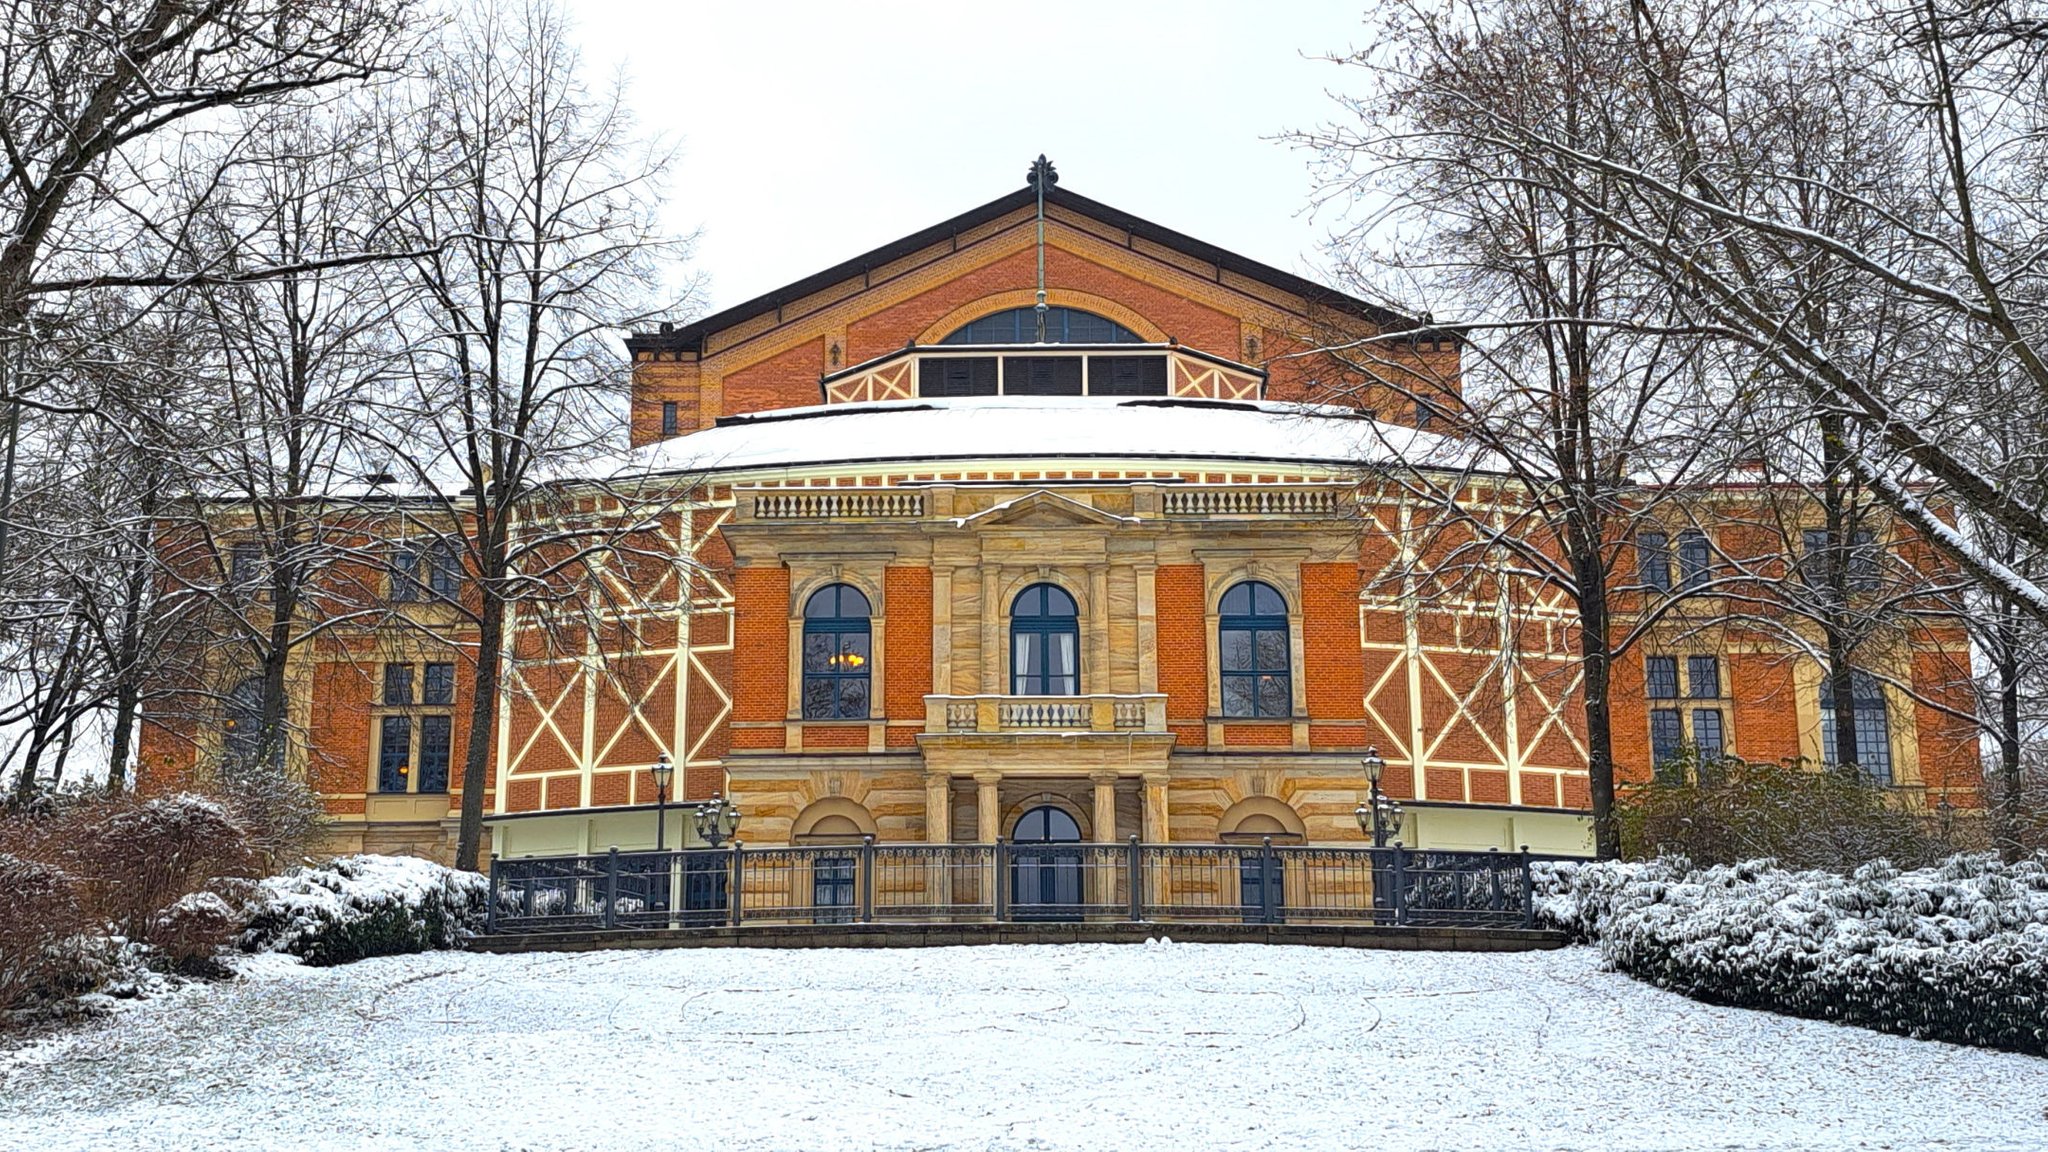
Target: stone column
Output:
[(988, 811), (1105, 806), (938, 808), (1155, 808)]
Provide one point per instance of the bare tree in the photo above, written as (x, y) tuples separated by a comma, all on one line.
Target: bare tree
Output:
[(533, 203), (1582, 383)]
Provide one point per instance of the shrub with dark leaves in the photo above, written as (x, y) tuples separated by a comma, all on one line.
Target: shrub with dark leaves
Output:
[(355, 907), (1956, 952)]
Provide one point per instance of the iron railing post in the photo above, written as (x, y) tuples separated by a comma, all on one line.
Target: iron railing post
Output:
[(611, 889), (491, 904), (526, 896), (733, 882), (867, 879), (1137, 881), (1528, 891), (1400, 893), (1002, 880), (1265, 851), (1494, 896)]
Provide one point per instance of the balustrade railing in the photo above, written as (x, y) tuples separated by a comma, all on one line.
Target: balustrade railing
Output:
[(833, 504), (1131, 882), (1027, 714), (1249, 501)]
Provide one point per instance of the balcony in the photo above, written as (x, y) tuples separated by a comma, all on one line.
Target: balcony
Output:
[(1118, 715)]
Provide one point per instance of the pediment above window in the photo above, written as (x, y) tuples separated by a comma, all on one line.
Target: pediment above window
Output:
[(1043, 509)]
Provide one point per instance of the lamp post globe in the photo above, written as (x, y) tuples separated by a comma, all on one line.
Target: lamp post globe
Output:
[(1372, 815), (717, 819), (664, 772)]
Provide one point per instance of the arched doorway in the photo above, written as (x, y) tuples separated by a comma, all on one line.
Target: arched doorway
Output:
[(1045, 865)]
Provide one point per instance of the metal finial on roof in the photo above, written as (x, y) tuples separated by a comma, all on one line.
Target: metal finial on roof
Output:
[(1041, 168)]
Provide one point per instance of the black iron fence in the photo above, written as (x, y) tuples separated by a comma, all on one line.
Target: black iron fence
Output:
[(867, 882)]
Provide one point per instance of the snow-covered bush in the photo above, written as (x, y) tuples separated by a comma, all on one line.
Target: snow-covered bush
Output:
[(360, 906), (193, 930), (1955, 952)]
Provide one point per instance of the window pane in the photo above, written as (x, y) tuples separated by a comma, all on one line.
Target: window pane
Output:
[(853, 697), (1653, 560), (398, 684), (439, 687), (821, 696), (405, 564), (1127, 375), (434, 733), (1706, 731), (394, 753), (818, 650), (1274, 698), (1271, 651), (1267, 602), (1059, 656), (1234, 646), (1237, 601), (1238, 696), (1665, 735), (1703, 677), (1695, 559), (1660, 675)]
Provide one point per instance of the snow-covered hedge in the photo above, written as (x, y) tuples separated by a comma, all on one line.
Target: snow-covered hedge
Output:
[(360, 906), (1957, 952)]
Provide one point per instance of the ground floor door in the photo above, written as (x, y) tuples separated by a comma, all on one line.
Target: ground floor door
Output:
[(1045, 866)]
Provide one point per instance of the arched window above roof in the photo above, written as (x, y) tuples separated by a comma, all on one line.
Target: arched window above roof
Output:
[(1062, 326)]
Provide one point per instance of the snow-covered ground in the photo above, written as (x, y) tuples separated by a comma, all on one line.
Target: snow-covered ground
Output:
[(1119, 1047)]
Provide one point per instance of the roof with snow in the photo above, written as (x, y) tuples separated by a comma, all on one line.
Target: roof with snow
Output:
[(1049, 427)]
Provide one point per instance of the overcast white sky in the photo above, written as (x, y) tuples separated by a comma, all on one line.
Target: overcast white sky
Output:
[(812, 132)]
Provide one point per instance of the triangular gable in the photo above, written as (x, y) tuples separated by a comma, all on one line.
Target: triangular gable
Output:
[(1042, 509)]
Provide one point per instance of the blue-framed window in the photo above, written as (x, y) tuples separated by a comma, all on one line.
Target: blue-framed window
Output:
[(1653, 560), (1253, 651), (439, 685), (394, 753), (1062, 326), (444, 569), (1695, 559), (1045, 643), (1873, 727), (837, 653), (397, 684), (1703, 677), (1660, 677), (1707, 734), (1665, 738), (434, 743)]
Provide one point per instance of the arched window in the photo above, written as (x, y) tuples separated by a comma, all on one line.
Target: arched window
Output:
[(1062, 326), (1252, 647), (1045, 643), (836, 654)]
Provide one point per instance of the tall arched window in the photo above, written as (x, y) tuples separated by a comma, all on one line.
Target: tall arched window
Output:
[(1252, 647), (836, 654), (1062, 326), (1045, 643)]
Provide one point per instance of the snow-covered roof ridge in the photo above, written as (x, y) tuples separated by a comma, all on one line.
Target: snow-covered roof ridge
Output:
[(1041, 427)]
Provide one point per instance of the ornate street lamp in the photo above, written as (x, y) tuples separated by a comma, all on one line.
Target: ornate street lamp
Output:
[(717, 819), (1380, 816), (663, 770)]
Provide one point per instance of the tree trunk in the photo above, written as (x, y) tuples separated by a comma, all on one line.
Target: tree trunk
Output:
[(2010, 779), (483, 714), (1597, 662)]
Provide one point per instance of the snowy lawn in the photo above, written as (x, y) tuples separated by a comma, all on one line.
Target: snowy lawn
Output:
[(1118, 1047)]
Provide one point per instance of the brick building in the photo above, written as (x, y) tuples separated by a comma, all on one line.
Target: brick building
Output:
[(945, 565)]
